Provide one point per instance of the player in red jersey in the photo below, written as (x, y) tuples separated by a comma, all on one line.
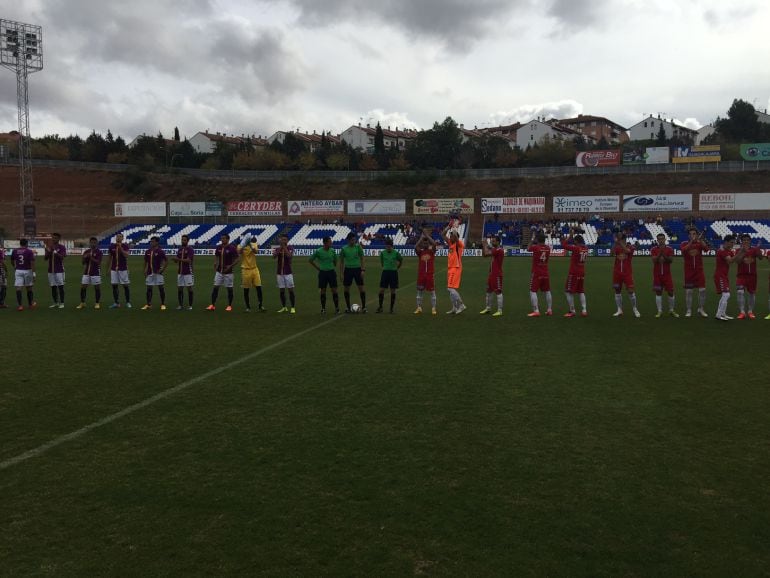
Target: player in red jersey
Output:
[(495, 276), (694, 276), (623, 274), (540, 279), (662, 257), (746, 281), (725, 256), (577, 272), (425, 249)]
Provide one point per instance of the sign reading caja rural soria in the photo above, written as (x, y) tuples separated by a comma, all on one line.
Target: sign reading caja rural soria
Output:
[(255, 208), (520, 205), (443, 206)]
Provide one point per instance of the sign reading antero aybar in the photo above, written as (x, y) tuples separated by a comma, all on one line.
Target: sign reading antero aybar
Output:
[(520, 205), (255, 208), (443, 206), (316, 207)]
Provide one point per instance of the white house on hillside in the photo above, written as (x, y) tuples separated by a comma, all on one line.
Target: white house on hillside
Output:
[(648, 128), (703, 133), (206, 142), (362, 138), (535, 131)]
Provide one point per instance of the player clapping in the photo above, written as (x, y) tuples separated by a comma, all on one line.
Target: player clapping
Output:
[(454, 269), (575, 245), (746, 281), (184, 278), (725, 256), (425, 249), (155, 262), (495, 276), (55, 253), (694, 276), (540, 279), (92, 273), (623, 274), (283, 256), (662, 257)]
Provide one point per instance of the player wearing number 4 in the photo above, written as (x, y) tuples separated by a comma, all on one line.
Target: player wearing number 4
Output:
[(540, 279), (747, 277), (623, 274), (54, 254), (662, 256), (92, 273), (577, 273), (391, 261), (495, 276)]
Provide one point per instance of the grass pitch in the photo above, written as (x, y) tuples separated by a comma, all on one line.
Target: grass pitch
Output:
[(386, 444)]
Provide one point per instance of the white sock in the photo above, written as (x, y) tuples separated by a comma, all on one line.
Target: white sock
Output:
[(419, 299), (632, 297), (722, 307), (549, 300), (702, 297), (671, 302), (459, 299), (741, 301), (688, 299), (570, 302), (752, 302), (499, 301), (433, 299), (583, 302), (489, 300), (619, 301), (659, 302), (453, 298), (533, 300)]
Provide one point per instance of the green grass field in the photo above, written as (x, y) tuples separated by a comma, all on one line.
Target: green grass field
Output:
[(386, 445)]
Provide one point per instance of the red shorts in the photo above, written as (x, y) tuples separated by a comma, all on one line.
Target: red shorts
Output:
[(494, 283), (574, 284), (748, 282), (662, 282), (620, 279), (722, 284), (426, 282), (539, 283), (694, 279)]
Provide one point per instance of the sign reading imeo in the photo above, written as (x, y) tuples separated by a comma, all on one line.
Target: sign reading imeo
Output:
[(608, 204)]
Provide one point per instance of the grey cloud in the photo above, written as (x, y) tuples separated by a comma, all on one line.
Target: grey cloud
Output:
[(575, 15), (721, 18), (456, 24)]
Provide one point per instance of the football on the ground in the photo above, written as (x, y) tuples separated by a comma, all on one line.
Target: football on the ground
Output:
[(355, 308)]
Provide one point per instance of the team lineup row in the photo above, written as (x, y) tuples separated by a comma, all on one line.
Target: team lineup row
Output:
[(350, 261)]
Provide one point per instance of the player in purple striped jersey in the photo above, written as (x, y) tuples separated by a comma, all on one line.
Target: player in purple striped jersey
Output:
[(92, 273), (184, 278), (119, 271), (284, 275), (23, 260), (54, 255), (3, 277), (155, 262)]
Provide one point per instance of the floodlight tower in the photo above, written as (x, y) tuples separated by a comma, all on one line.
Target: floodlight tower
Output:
[(21, 51)]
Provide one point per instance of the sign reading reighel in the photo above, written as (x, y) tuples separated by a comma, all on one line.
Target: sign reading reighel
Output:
[(608, 158), (608, 204), (255, 208)]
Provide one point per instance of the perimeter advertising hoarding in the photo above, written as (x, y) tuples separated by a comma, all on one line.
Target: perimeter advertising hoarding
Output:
[(608, 158), (140, 209), (214, 208), (657, 203), (443, 206), (607, 204), (734, 201), (756, 151), (508, 205), (255, 209), (316, 208), (696, 154), (187, 209), (388, 207), (656, 155)]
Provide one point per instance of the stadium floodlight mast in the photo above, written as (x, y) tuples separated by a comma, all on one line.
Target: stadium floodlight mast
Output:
[(21, 51)]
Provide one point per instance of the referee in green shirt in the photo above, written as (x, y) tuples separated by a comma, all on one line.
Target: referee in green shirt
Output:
[(391, 261), (352, 269), (324, 259)]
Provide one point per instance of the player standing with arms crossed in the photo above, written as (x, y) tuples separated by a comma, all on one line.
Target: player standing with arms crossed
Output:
[(284, 276), (454, 271), (324, 260), (92, 273), (119, 271), (577, 272), (662, 257), (391, 261), (55, 253), (250, 275), (352, 269), (425, 249), (155, 263), (495, 275), (225, 258), (694, 275), (540, 279), (725, 256), (184, 277), (23, 260), (746, 281), (623, 274)]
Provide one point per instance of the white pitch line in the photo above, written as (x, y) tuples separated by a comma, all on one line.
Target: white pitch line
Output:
[(157, 397)]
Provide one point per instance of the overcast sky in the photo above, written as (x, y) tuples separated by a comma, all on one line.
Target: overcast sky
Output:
[(249, 66)]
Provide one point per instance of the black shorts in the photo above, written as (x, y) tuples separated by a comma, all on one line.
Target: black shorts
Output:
[(350, 274), (389, 280), (327, 279)]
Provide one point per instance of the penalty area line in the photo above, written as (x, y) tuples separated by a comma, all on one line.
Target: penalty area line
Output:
[(49, 445)]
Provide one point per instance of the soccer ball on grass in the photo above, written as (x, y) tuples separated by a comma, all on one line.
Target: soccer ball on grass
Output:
[(355, 308)]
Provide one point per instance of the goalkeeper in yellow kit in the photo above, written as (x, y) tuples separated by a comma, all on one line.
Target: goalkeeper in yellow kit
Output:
[(250, 276)]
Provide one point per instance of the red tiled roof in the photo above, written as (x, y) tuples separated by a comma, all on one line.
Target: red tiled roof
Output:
[(583, 118)]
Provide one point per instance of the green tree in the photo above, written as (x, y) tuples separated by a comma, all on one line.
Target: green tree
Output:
[(741, 124), (660, 140), (436, 148), (176, 134)]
